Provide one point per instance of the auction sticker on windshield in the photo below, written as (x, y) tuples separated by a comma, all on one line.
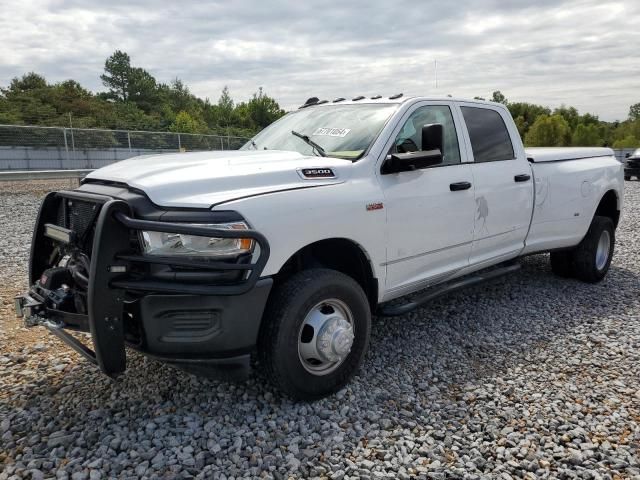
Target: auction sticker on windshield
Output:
[(331, 132)]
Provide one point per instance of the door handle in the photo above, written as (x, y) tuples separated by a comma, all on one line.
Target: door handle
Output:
[(522, 178), (455, 187)]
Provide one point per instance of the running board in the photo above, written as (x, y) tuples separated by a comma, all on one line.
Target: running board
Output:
[(395, 310)]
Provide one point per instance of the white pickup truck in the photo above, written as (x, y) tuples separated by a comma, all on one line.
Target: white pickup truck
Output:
[(285, 248)]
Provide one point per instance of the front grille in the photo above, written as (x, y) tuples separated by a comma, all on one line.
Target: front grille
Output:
[(79, 216)]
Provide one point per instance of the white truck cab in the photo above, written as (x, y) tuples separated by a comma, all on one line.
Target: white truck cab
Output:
[(288, 246)]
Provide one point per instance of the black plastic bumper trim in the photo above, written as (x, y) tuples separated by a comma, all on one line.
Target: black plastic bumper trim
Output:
[(171, 287), (235, 368), (176, 262)]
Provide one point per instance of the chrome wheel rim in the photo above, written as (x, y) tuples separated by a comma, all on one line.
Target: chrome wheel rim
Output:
[(326, 337), (602, 252)]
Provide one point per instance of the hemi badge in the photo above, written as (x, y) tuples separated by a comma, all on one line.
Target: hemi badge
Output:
[(318, 173), (117, 268), (375, 206)]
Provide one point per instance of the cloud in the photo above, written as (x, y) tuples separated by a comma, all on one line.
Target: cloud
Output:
[(578, 52)]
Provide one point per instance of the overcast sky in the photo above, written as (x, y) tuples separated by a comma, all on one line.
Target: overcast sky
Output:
[(584, 53)]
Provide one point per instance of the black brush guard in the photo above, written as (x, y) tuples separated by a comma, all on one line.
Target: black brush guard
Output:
[(110, 255)]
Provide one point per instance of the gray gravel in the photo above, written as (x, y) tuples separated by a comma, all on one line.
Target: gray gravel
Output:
[(528, 377)]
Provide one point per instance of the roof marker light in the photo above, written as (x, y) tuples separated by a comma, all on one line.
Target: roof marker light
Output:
[(397, 95), (359, 97), (310, 101)]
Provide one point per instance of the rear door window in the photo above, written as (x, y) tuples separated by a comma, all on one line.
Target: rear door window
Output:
[(488, 133)]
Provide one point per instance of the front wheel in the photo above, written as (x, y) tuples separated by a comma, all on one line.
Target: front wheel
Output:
[(315, 333)]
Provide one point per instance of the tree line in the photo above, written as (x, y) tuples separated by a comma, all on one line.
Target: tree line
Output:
[(134, 100), (539, 126)]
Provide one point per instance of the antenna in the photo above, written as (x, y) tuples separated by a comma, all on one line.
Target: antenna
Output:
[(435, 67)]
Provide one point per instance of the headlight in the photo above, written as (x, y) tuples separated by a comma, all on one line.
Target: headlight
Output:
[(169, 244)]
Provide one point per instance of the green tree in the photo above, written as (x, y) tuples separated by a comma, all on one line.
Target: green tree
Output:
[(210, 115), (185, 123), (178, 96), (128, 83), (498, 97), (626, 129), (570, 114), (133, 100), (9, 115), (527, 113), (117, 76), (627, 142), (521, 125), (634, 112), (549, 131), (263, 110), (586, 136), (27, 83), (225, 109), (143, 89)]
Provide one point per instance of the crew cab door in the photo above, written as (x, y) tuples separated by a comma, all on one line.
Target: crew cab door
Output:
[(503, 183), (430, 211)]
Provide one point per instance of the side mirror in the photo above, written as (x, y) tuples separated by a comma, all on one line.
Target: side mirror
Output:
[(430, 155), (433, 137), (406, 162), (627, 155)]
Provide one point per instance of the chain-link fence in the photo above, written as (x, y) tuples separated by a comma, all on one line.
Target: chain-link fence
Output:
[(42, 148), (53, 148)]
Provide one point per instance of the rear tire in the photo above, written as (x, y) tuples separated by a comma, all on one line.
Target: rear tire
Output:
[(561, 263), (302, 316), (592, 257), (590, 260)]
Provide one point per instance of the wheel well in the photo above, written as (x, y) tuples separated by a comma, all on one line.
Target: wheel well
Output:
[(608, 207), (338, 254)]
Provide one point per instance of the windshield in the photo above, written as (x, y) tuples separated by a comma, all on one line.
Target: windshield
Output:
[(343, 131)]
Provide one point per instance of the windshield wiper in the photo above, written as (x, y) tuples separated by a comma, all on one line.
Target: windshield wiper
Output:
[(308, 141)]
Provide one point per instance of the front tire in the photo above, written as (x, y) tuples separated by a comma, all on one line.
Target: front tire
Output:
[(315, 333)]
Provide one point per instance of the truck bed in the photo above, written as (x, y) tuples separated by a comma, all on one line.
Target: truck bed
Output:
[(558, 154), (569, 184)]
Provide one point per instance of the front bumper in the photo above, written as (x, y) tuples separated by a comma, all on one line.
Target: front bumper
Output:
[(195, 313)]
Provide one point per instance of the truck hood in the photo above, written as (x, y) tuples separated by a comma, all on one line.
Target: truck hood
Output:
[(206, 179)]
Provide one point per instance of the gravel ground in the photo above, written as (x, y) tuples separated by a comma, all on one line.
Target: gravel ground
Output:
[(528, 377)]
